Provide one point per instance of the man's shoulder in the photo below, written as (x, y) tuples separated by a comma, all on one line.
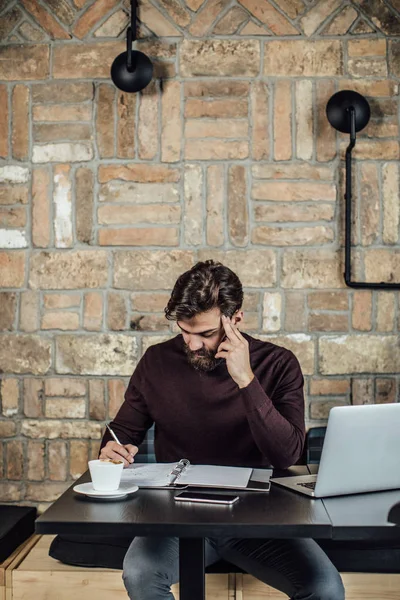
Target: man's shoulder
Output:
[(161, 347)]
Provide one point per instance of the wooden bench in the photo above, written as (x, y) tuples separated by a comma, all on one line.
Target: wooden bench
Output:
[(33, 575)]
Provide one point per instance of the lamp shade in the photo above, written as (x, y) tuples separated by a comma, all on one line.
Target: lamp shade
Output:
[(135, 79), (337, 110)]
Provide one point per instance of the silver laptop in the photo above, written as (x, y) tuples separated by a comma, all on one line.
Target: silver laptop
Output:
[(361, 453)]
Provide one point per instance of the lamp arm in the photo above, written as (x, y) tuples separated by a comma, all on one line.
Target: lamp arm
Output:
[(348, 197), (130, 38)]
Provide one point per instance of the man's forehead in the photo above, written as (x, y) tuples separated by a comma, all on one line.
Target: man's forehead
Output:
[(202, 321)]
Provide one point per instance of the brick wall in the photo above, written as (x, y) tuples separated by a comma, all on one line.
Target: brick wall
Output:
[(106, 197)]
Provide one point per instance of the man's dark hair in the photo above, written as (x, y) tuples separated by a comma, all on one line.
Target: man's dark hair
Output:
[(205, 286)]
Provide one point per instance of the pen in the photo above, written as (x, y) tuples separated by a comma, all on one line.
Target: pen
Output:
[(113, 434)]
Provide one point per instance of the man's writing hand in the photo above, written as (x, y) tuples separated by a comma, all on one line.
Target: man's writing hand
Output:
[(235, 350), (116, 452)]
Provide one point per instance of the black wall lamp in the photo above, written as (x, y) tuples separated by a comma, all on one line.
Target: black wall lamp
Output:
[(132, 70), (349, 112)]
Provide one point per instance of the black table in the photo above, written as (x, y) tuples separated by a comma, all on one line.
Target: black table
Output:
[(278, 514)]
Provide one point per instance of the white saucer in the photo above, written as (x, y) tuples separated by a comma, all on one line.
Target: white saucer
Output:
[(87, 490)]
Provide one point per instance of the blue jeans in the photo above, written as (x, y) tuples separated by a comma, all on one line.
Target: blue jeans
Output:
[(298, 568)]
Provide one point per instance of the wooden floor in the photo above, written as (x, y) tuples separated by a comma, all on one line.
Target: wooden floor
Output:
[(32, 575)]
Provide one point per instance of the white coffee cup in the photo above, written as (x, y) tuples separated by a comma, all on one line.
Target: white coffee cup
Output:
[(105, 474)]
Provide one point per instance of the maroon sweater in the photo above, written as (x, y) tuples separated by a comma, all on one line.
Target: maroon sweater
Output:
[(206, 417)]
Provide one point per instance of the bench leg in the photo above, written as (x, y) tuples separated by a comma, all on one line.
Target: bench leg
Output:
[(191, 569)]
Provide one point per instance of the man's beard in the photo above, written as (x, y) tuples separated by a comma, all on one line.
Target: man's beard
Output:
[(202, 360)]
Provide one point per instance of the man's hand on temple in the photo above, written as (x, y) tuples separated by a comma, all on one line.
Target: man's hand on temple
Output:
[(116, 452), (235, 350)]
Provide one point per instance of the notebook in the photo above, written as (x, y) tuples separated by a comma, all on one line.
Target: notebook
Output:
[(183, 474)]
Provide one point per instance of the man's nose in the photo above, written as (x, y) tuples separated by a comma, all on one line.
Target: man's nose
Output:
[(195, 343)]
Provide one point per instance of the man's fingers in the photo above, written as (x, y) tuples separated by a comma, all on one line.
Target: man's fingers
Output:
[(116, 451), (228, 330), (225, 346), (131, 449)]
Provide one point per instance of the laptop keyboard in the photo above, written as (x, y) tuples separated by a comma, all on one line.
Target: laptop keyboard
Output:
[(310, 485)]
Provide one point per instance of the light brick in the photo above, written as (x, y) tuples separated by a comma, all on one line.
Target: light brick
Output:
[(319, 410), (46, 20), (362, 391), (87, 61), (305, 58), (312, 268), (255, 268), (16, 194), (216, 150), (252, 28), (148, 122), (12, 269), (268, 15), (373, 87), (293, 236), (329, 387), (374, 150), (367, 47), (52, 301), (8, 21), (301, 170), (328, 300), (11, 492), (281, 191), (273, 213), (139, 270), (93, 311), (9, 394), (12, 217), (65, 92), (140, 322), (21, 63), (363, 67), (14, 174), (25, 354), (171, 122), (65, 408), (150, 340), (385, 391), (4, 116), (112, 354), (12, 238), (139, 236), (385, 311), (35, 460), (222, 128), (62, 112), (178, 13), (156, 22), (328, 322), (113, 26), (304, 119), (80, 269), (231, 21), (97, 406), (206, 17), (15, 459), (391, 209), (317, 15), (29, 311), (139, 173), (105, 120), (382, 265), (215, 205), (126, 107), (272, 309), (64, 386), (57, 460), (358, 354), (92, 16), (325, 133), (63, 320), (259, 107), (295, 311), (149, 302), (84, 184), (64, 152), (283, 120), (62, 201), (45, 492), (342, 22), (41, 232), (138, 193), (20, 122), (219, 58), (213, 88), (33, 397), (300, 344), (238, 216), (362, 310), (7, 429), (8, 303), (79, 456), (193, 217), (117, 313), (153, 213), (116, 391), (216, 108)]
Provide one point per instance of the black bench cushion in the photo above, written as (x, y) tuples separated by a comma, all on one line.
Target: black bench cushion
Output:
[(108, 552), (17, 523)]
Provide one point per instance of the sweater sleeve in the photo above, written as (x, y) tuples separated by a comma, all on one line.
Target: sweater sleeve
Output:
[(133, 419), (277, 422)]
